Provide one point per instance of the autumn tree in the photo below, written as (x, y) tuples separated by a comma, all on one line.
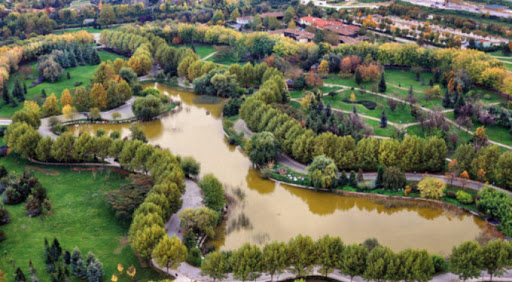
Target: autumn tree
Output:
[(431, 187), (65, 98), (98, 96), (323, 68), (51, 105)]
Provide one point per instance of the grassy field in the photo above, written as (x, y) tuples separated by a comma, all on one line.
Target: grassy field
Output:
[(80, 216), (89, 29), (397, 116), (379, 131), (78, 74)]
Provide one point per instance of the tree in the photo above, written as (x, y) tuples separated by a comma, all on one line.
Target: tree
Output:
[(62, 148), (77, 264), (353, 261), (379, 181), (246, 262), (5, 95), (382, 84), (496, 257), (190, 166), (94, 271), (69, 111), (98, 96), (416, 265), (262, 148), (275, 258), (383, 119), (146, 239), (431, 187), (302, 254), (466, 260), (358, 77), (235, 14), (51, 105), (323, 68), (65, 98), (393, 178), (146, 108), (322, 172), (352, 180), (504, 170), (382, 263), (169, 252), (106, 15), (30, 117), (137, 133), (201, 220), (20, 276), (213, 192), (215, 265), (330, 251)]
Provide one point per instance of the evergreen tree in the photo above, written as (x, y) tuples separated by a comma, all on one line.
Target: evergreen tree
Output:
[(72, 59), (447, 101), (382, 84), (43, 93), (20, 277), (5, 95), (431, 82), (14, 104), (55, 250), (94, 58), (437, 75), (94, 271), (79, 56), (24, 88), (17, 91), (67, 257), (459, 103), (379, 181), (411, 91), (358, 77), (383, 119), (343, 180), (360, 176), (76, 262), (352, 181), (47, 252), (68, 75), (90, 258)]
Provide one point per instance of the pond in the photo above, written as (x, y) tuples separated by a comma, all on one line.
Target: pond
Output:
[(265, 211)]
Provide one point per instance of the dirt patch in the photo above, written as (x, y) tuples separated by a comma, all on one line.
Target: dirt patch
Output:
[(123, 242), (45, 171)]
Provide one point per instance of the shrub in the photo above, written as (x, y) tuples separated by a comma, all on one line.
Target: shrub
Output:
[(440, 264), (431, 187), (194, 257), (464, 198), (370, 105), (4, 216), (147, 108), (451, 194), (2, 130), (232, 107), (78, 83), (190, 166), (265, 172), (149, 91)]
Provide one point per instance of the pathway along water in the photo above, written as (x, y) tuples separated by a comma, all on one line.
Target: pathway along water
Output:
[(271, 211)]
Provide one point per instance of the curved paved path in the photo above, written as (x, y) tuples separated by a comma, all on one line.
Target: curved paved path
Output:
[(286, 160)]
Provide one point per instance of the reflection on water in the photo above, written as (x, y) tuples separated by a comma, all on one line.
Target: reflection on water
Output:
[(266, 211)]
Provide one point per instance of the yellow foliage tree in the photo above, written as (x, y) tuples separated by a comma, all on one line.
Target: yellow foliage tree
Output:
[(68, 111), (51, 105), (431, 187), (352, 97), (323, 68), (98, 96), (32, 106), (65, 98)]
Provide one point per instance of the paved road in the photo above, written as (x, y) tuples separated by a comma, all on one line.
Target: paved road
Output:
[(286, 160), (192, 199)]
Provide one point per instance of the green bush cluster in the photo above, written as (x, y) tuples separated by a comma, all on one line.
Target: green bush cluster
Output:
[(464, 198)]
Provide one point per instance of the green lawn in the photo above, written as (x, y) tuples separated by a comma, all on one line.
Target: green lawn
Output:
[(324, 89), (464, 137), (78, 74), (379, 131), (80, 216), (201, 50), (397, 116), (89, 29)]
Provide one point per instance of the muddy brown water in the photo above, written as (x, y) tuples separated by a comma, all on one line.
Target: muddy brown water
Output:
[(267, 211)]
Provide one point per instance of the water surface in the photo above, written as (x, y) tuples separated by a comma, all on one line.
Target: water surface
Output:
[(271, 211)]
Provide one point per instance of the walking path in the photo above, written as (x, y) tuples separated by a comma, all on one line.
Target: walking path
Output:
[(424, 109), (209, 56), (241, 126)]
